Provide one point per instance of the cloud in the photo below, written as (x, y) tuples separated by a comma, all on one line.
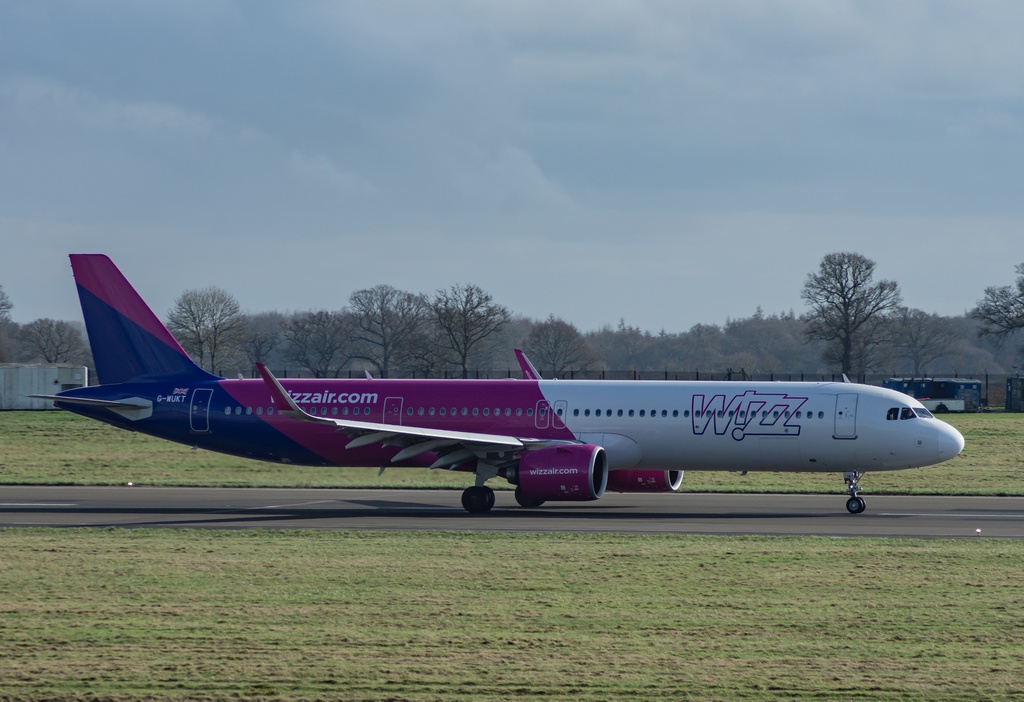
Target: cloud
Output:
[(319, 168), (86, 108)]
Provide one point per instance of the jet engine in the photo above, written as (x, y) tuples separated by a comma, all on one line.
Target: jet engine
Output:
[(645, 480), (576, 473)]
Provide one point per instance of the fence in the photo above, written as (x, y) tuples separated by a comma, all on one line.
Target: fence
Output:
[(993, 384)]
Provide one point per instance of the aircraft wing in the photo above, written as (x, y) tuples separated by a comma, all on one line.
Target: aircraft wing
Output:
[(454, 446)]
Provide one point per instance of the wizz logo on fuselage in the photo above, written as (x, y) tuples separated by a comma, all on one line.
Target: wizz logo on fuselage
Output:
[(751, 414)]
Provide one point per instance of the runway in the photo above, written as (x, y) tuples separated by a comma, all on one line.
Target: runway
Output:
[(410, 510)]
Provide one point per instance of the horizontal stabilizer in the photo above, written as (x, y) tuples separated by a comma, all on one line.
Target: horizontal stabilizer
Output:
[(133, 408), (90, 402)]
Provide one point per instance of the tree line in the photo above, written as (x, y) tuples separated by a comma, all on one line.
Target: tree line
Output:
[(853, 324)]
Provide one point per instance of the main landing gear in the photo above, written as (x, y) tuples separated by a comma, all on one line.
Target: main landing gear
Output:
[(856, 504), (478, 499)]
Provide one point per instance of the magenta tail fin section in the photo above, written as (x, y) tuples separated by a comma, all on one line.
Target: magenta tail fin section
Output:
[(129, 342)]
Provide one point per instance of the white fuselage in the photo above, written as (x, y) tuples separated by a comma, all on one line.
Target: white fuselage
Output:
[(752, 426)]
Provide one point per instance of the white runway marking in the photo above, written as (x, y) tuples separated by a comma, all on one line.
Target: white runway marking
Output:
[(39, 504), (954, 515)]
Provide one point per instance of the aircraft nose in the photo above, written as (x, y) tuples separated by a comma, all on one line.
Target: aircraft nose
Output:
[(950, 443)]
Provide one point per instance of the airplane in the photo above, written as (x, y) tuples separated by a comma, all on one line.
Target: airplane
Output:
[(555, 440)]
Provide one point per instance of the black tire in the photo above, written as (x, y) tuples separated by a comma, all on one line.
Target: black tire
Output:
[(478, 499), (855, 505), (525, 501)]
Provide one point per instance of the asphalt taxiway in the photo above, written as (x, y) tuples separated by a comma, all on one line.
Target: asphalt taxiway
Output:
[(406, 510)]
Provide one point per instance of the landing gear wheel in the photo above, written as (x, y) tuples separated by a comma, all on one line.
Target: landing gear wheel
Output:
[(525, 501), (856, 504), (478, 499)]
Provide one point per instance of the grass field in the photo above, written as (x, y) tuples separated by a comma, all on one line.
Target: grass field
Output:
[(163, 614), (180, 615), (62, 448)]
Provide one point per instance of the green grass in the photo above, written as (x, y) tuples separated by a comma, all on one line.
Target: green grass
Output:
[(169, 614), (62, 448)]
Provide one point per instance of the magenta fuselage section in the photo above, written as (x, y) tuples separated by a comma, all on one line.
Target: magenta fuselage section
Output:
[(505, 407)]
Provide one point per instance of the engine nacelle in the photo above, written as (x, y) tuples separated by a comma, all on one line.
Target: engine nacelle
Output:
[(576, 472), (645, 480)]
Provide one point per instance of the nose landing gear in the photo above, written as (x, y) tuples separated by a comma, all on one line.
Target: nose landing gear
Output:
[(856, 504)]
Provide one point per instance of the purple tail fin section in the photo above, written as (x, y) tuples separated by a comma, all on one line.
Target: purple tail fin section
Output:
[(129, 342)]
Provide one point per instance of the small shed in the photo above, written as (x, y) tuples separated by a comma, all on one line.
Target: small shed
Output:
[(18, 380), (1015, 394)]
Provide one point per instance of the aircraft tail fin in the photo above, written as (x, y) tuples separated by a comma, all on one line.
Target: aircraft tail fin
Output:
[(129, 342)]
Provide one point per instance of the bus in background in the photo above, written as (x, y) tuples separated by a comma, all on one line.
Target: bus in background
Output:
[(941, 394)]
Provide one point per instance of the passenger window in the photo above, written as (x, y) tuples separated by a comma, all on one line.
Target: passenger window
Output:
[(444, 411), (586, 413), (641, 413), (631, 413), (576, 412), (620, 413), (487, 411), (597, 413)]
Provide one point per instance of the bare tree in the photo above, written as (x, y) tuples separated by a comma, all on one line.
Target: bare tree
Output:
[(557, 345), (53, 341), (5, 306), (922, 338), (847, 308), (465, 316), (209, 324), (320, 341), (262, 336), (386, 321), (1001, 311), (6, 326)]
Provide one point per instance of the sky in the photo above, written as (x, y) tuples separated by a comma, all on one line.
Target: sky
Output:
[(663, 163)]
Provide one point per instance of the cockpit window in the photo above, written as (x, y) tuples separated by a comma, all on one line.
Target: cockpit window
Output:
[(923, 413), (907, 413), (893, 413)]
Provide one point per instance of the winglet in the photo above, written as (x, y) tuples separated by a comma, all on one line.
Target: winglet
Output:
[(529, 372), (282, 399)]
